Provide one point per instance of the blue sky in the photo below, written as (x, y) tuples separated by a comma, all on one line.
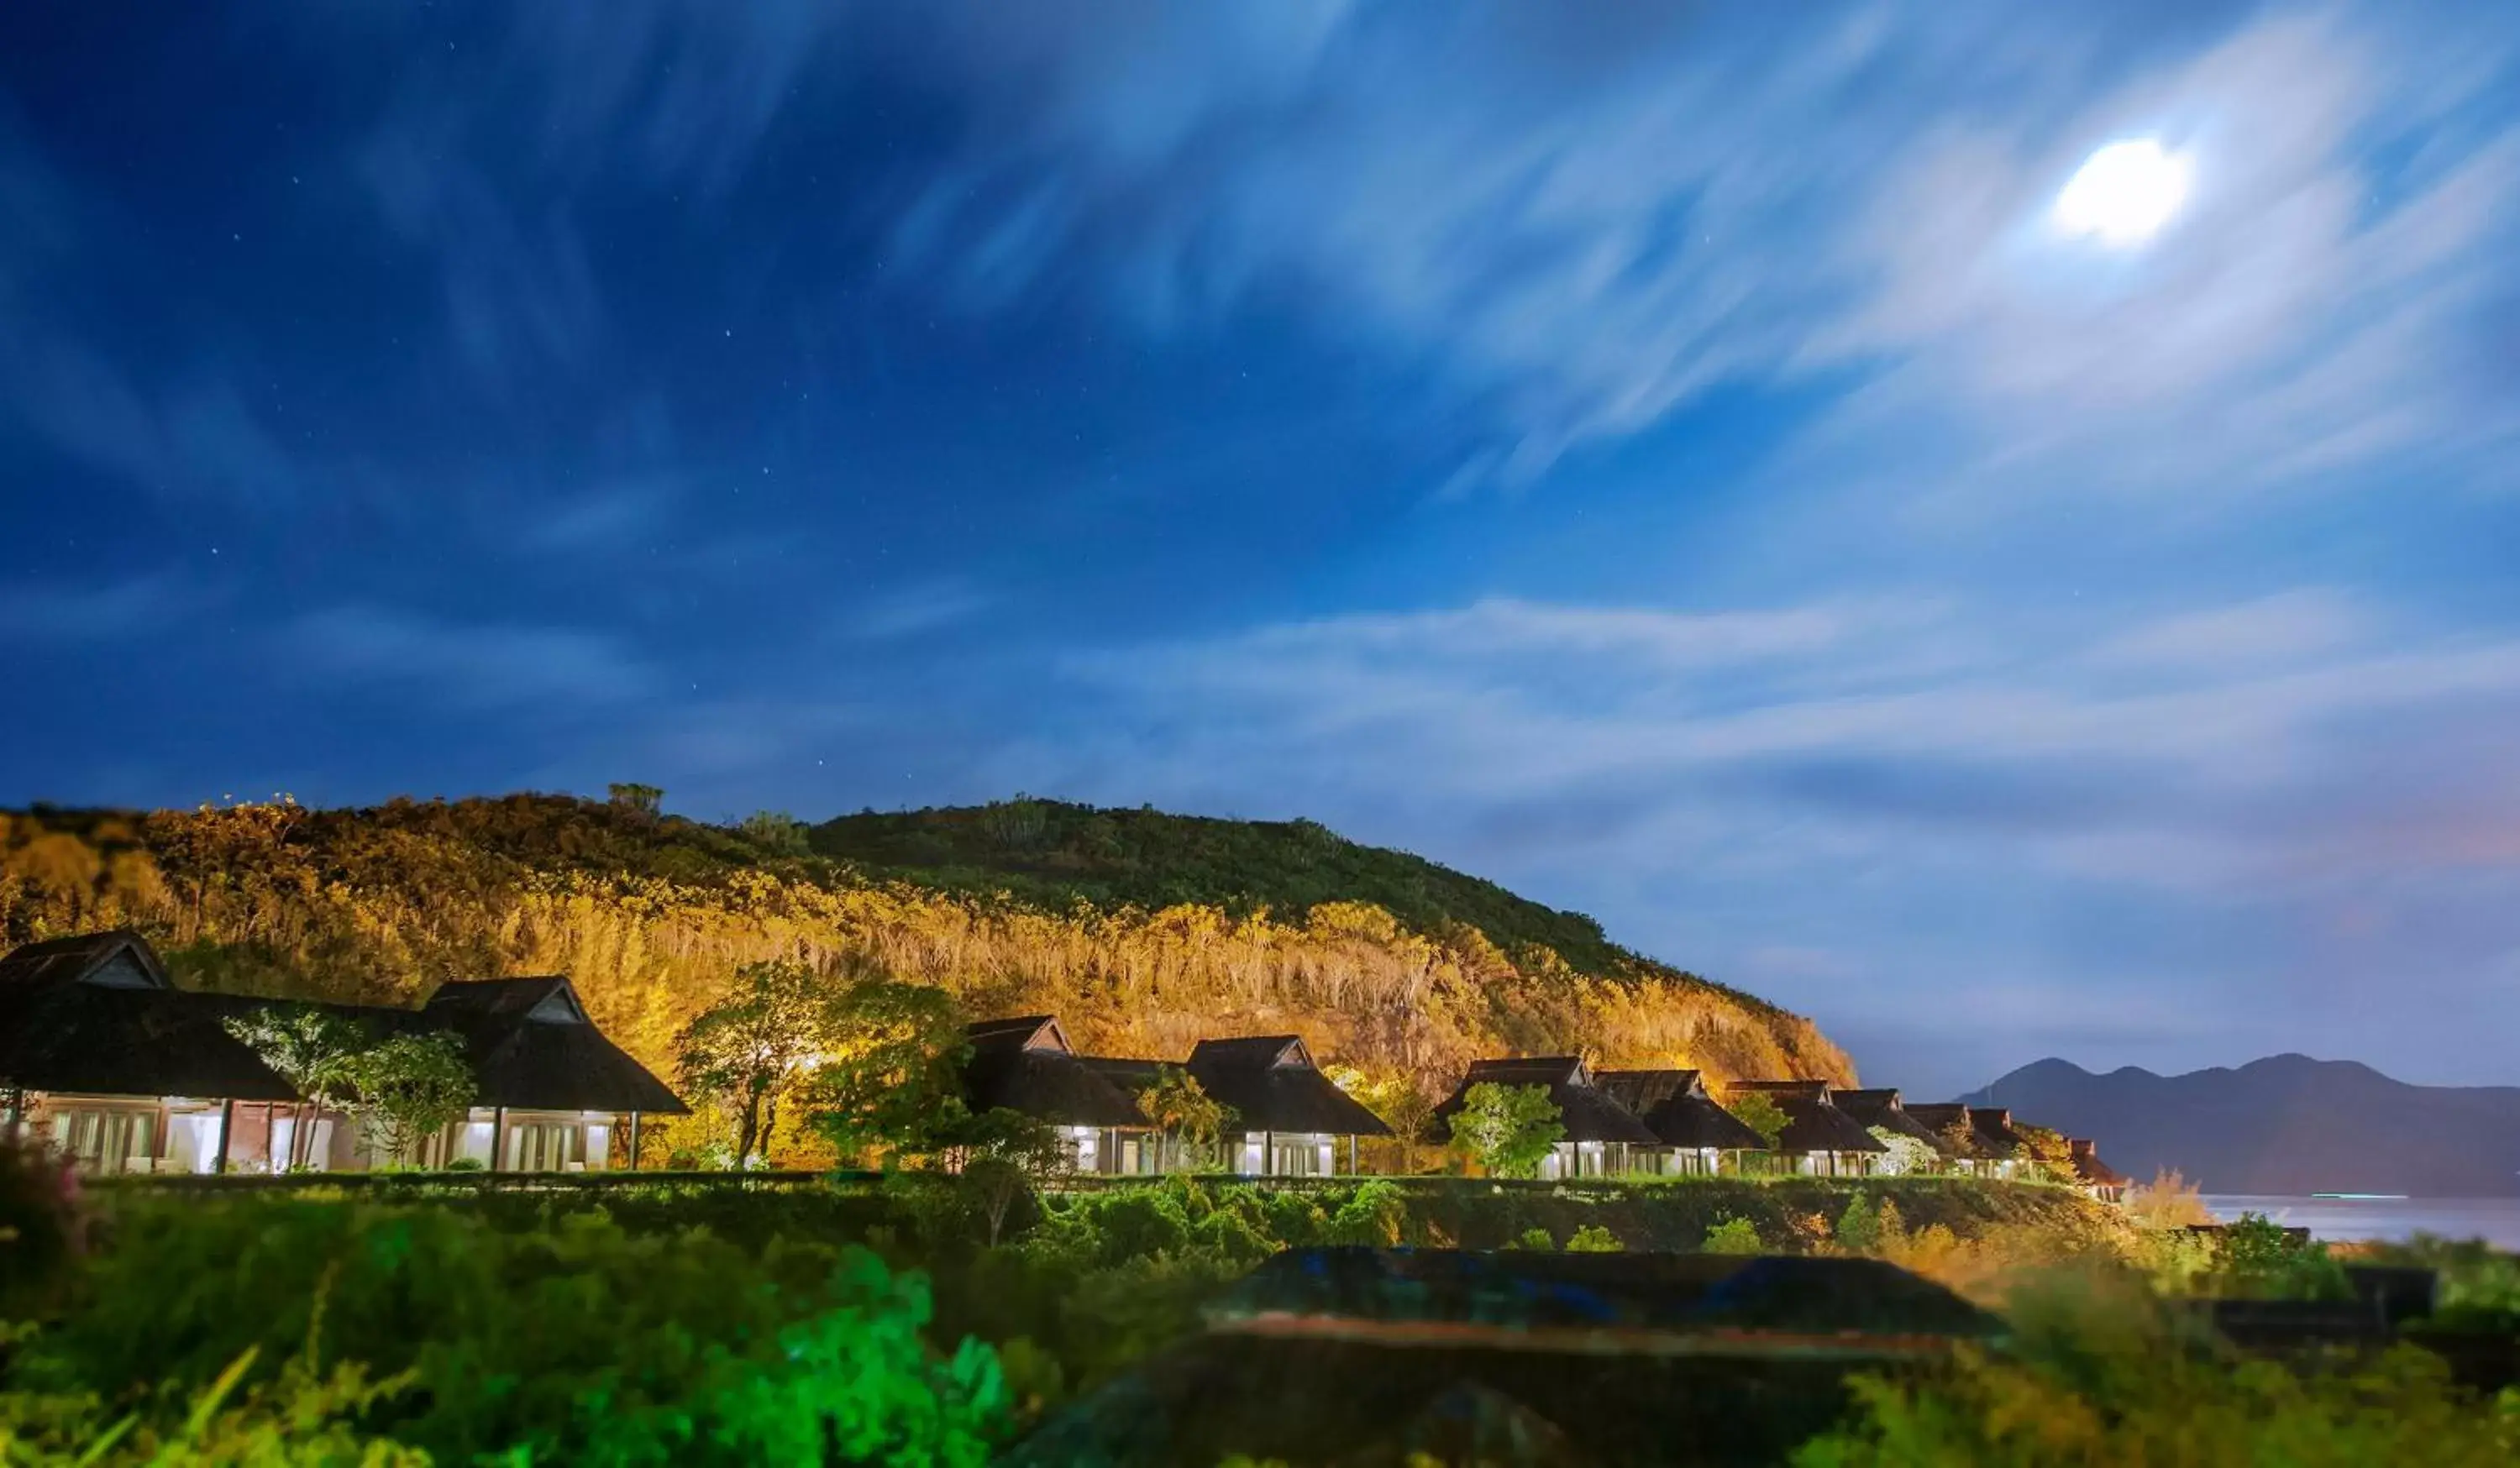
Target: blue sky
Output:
[(1670, 460)]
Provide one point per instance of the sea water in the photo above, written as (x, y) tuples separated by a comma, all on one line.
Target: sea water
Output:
[(2497, 1220)]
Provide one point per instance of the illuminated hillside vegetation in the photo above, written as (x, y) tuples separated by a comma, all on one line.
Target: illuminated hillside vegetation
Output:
[(1142, 931)]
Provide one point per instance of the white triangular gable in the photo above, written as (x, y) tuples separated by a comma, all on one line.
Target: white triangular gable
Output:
[(557, 1007), (126, 965)]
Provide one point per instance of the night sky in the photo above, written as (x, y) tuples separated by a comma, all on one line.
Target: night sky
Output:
[(1691, 467)]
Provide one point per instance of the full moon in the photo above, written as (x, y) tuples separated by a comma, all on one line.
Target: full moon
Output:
[(2124, 194)]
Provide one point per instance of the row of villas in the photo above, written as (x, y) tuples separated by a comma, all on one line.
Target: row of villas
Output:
[(105, 1060), (108, 1062), (1289, 1120)]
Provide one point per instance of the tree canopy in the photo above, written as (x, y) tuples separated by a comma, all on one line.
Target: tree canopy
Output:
[(1507, 1130), (745, 1051)]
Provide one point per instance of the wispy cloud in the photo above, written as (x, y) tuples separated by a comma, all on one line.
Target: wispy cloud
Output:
[(468, 665), (63, 612), (2256, 752), (914, 611), (610, 519)]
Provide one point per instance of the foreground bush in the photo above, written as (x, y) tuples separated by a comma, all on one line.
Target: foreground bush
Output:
[(575, 1343), (2101, 1375)]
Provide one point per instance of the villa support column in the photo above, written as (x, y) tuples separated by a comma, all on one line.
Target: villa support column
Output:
[(1268, 1154), (227, 1128), (498, 1137), (1351, 1154), (634, 1141)]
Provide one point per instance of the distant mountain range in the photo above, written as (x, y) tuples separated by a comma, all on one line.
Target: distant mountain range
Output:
[(2286, 1124)]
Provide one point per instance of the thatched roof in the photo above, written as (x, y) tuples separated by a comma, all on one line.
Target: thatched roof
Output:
[(1270, 1082), (1880, 1107), (1026, 1065), (1993, 1127), (1675, 1106), (119, 959), (1954, 1137), (97, 1015), (2088, 1167), (1590, 1113), (1811, 1123), (531, 1046), (1130, 1075)]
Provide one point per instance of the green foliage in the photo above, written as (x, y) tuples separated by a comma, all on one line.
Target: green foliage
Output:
[(577, 1343), (747, 1050), (1859, 1227), (1593, 1239), (410, 1088), (1535, 1240), (890, 1075), (1759, 1111), (309, 1048), (42, 1226), (2101, 1377), (1374, 1213), (1002, 1156), (637, 799), (2255, 1258), (1733, 1236), (1508, 1130), (305, 1418), (775, 833), (2477, 1285), (1058, 854), (1190, 1122)]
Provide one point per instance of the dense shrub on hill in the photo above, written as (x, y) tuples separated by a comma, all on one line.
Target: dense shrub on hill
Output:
[(1382, 962)]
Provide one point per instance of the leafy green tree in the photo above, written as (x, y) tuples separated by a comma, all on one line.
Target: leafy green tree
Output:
[(1734, 1236), (638, 799), (1398, 1097), (1507, 1130), (2255, 1256), (1001, 1157), (408, 1089), (1859, 1227), (1191, 1122), (1594, 1238), (776, 833), (891, 1077), (1759, 1111), (1534, 1240), (309, 1048), (1959, 1139), (747, 1050)]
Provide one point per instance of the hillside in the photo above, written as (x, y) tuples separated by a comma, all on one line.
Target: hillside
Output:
[(2286, 1124), (1057, 854), (1142, 932)]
